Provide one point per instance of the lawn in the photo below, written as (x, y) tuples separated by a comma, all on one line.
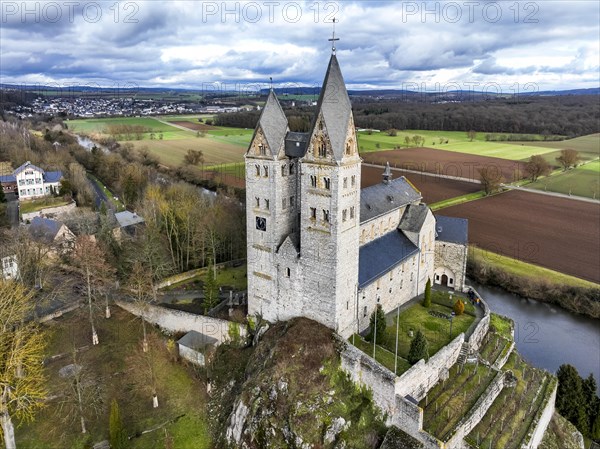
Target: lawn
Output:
[(117, 368), (584, 144), (436, 330), (232, 277), (524, 269), (580, 181), (450, 400), (99, 125), (235, 136), (27, 206), (457, 200), (382, 355), (458, 141)]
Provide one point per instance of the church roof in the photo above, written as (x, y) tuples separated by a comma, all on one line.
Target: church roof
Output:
[(336, 108), (273, 123), (381, 255), (452, 230), (414, 217), (296, 144), (382, 198)]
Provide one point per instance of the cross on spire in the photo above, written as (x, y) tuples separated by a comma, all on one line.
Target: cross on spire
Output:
[(333, 38)]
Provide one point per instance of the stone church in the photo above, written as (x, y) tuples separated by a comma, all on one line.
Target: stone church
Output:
[(321, 247)]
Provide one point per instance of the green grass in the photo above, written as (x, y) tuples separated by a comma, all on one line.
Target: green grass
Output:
[(580, 181), (583, 144), (27, 206), (458, 141), (527, 270), (118, 368), (436, 330), (382, 355), (235, 136), (234, 277), (502, 325), (457, 200), (118, 205)]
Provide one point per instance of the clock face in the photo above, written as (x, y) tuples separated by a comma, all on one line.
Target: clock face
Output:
[(261, 223)]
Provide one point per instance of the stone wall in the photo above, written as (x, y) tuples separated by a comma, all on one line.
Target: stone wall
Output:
[(478, 334), (451, 259), (422, 376), (542, 419), (53, 211), (178, 321), (180, 277), (476, 413)]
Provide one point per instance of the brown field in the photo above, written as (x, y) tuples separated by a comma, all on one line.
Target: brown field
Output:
[(448, 163), (433, 189), (556, 233), (192, 125)]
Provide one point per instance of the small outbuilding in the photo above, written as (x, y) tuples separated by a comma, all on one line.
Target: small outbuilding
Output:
[(193, 347)]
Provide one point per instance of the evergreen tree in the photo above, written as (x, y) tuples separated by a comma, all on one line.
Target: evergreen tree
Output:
[(592, 403), (570, 401), (418, 348), (377, 321), (211, 289), (459, 307), (118, 438), (2, 196), (427, 298)]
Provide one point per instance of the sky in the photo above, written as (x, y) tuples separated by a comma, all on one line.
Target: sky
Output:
[(504, 46)]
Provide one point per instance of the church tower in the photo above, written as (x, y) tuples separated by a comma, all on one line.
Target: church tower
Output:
[(270, 203), (329, 215)]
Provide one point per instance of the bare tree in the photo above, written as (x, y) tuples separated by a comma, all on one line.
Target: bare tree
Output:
[(91, 259), (194, 157), (471, 134), (537, 166), (491, 179), (568, 158)]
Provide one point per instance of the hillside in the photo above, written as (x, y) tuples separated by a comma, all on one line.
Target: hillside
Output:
[(288, 391)]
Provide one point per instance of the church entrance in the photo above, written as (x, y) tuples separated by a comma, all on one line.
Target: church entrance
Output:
[(444, 280)]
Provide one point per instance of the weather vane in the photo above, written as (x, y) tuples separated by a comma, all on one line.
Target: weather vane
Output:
[(333, 38)]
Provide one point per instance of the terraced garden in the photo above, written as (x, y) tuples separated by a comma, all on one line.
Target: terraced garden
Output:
[(508, 420), (450, 400), (494, 347)]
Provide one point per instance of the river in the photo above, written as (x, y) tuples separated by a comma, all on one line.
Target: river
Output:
[(548, 336)]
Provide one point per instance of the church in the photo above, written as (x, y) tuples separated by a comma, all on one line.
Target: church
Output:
[(321, 247)]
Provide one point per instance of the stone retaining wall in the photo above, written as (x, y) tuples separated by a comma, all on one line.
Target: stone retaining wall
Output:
[(178, 321), (422, 376), (476, 337), (56, 211), (542, 419), (180, 277)]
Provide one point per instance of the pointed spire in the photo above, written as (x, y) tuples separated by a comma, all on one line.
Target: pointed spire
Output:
[(387, 174), (273, 123), (335, 107)]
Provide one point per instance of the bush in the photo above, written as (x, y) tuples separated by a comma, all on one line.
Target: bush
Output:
[(427, 298), (118, 438), (459, 307), (418, 348)]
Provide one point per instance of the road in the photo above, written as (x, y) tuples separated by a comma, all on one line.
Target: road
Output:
[(555, 194), (100, 195), (12, 209)]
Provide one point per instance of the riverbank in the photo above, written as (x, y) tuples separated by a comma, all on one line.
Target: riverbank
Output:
[(530, 281)]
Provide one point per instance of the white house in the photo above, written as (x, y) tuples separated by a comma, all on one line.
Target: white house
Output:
[(33, 182), (8, 267)]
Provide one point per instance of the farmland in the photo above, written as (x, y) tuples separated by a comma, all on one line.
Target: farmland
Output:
[(580, 181), (556, 233), (445, 162), (433, 189), (455, 141)]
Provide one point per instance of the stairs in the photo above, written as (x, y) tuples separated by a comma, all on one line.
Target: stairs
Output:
[(464, 353)]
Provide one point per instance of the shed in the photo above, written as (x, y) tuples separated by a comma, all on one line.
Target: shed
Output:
[(194, 345)]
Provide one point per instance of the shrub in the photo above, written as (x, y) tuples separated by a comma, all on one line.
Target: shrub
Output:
[(427, 298), (418, 348), (459, 307), (118, 438)]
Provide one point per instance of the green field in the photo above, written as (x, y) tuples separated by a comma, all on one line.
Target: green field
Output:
[(581, 181), (583, 144), (458, 141)]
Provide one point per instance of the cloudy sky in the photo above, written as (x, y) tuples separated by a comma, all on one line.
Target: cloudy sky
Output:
[(481, 45)]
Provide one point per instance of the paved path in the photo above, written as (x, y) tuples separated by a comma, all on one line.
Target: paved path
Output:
[(174, 125), (555, 194), (100, 195), (12, 210)]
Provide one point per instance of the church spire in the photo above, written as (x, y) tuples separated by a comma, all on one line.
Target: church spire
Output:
[(333, 39), (272, 125)]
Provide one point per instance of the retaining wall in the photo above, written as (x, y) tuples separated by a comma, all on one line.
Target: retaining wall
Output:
[(178, 321), (180, 277), (542, 419), (422, 376), (476, 337), (59, 210)]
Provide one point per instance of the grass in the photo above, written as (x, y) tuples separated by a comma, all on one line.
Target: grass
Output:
[(233, 277), (458, 141), (494, 345), (27, 206), (457, 200), (436, 330), (118, 205), (117, 368), (450, 400), (580, 181), (583, 144), (502, 325), (527, 270), (382, 355)]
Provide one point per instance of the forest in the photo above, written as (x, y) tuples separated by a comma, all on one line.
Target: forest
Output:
[(567, 115)]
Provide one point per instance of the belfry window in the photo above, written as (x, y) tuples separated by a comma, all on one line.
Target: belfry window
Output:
[(291, 169), (327, 183), (322, 149), (313, 213), (267, 204), (261, 149), (266, 170), (313, 181), (351, 212), (257, 201), (353, 180), (326, 215), (345, 183), (257, 170), (288, 272), (283, 170), (344, 215)]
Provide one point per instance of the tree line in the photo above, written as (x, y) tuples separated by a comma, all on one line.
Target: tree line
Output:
[(553, 115)]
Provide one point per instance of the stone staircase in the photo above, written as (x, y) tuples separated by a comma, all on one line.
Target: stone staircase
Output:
[(464, 353)]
